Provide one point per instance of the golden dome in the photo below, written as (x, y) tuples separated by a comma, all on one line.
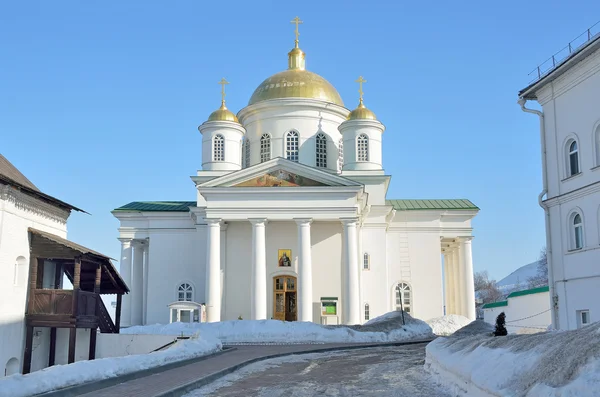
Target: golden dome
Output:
[(223, 114), (296, 82), (361, 113)]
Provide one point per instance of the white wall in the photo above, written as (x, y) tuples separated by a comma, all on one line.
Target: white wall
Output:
[(119, 345), (524, 314), (571, 111), (17, 213)]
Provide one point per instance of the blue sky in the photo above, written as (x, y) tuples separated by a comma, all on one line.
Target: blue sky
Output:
[(100, 101)]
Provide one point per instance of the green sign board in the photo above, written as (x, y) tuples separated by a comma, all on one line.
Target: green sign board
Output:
[(329, 308)]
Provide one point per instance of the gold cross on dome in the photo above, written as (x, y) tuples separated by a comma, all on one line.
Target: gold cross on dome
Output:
[(360, 82), (297, 22), (222, 83)]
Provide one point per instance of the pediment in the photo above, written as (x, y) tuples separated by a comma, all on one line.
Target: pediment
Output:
[(279, 178), (280, 172)]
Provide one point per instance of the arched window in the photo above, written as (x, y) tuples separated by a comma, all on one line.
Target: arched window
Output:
[(185, 293), (265, 148), (20, 270), (12, 367), (321, 151), (403, 298), (362, 148), (246, 153), (291, 146), (340, 154), (367, 313), (366, 261), (572, 158), (218, 148), (577, 225)]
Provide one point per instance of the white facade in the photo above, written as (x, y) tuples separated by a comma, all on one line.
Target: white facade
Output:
[(18, 212), (570, 137), (311, 186), (526, 311)]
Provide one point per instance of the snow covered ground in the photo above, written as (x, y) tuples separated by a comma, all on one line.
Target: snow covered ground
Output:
[(61, 376), (549, 364), (447, 325), (387, 328)]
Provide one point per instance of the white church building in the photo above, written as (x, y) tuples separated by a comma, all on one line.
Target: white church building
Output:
[(570, 196), (291, 222)]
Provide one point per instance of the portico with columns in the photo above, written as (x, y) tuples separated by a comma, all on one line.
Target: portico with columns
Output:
[(291, 221)]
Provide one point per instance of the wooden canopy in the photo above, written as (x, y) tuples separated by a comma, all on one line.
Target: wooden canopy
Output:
[(57, 249)]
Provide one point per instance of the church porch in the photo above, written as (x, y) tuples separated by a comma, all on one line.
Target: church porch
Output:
[(459, 297)]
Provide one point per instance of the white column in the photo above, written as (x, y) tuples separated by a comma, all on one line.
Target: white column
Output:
[(259, 271), (462, 303), (125, 271), (145, 298), (305, 280), (456, 296), (351, 302), (468, 283), (137, 284), (449, 258), (213, 270), (447, 283)]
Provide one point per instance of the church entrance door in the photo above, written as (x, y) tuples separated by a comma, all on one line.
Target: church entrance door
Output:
[(284, 302)]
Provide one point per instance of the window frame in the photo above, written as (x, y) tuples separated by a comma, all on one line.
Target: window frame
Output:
[(580, 315), (576, 230), (292, 154), (265, 148), (571, 140), (366, 261), (367, 312), (596, 144), (410, 303), (218, 150), (362, 148), (181, 289), (321, 150)]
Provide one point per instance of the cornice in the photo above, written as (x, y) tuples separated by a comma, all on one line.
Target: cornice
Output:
[(30, 204), (296, 103), (573, 195)]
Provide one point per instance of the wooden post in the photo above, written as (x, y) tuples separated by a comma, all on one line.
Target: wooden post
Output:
[(52, 355), (77, 274), (33, 271), (28, 350), (118, 313), (40, 274), (72, 340), (57, 274), (93, 333)]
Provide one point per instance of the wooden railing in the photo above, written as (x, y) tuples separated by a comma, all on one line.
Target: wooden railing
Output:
[(105, 323), (51, 301), (60, 302)]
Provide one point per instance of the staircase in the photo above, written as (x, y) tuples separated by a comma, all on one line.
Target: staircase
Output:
[(105, 323)]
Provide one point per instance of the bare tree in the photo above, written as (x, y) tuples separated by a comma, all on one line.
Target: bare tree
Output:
[(485, 290), (541, 277)]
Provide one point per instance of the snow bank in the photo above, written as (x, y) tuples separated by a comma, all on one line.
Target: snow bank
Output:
[(549, 364), (387, 329), (447, 325), (61, 376)]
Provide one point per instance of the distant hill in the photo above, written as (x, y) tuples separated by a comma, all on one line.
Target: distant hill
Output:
[(517, 280)]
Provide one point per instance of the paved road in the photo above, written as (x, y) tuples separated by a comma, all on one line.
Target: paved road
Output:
[(381, 371)]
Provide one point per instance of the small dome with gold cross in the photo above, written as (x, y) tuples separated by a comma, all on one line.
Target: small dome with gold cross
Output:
[(222, 113), (361, 112)]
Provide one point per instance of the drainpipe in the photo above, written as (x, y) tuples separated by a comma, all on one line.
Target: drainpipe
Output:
[(541, 203)]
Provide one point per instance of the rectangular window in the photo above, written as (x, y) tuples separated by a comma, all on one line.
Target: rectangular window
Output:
[(583, 318), (173, 315), (367, 314), (366, 261)]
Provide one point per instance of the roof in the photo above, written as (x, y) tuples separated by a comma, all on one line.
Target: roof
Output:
[(442, 204), (531, 291), (157, 206), (50, 246), (495, 304), (11, 172), (10, 175), (574, 57)]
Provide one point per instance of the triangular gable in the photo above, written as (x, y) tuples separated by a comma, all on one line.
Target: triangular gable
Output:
[(280, 172)]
